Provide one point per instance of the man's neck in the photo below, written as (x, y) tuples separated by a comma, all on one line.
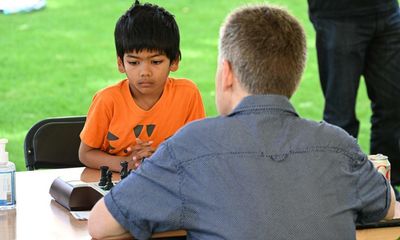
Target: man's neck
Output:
[(237, 95)]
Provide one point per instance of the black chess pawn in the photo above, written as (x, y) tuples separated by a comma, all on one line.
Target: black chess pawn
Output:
[(124, 169), (103, 177), (109, 183)]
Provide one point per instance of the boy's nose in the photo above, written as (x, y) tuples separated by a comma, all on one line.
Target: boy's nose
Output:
[(145, 71)]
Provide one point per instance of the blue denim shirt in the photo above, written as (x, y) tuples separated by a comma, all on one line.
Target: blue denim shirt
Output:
[(261, 172)]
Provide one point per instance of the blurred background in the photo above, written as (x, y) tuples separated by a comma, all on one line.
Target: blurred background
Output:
[(52, 61)]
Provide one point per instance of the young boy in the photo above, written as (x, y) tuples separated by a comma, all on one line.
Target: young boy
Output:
[(130, 119)]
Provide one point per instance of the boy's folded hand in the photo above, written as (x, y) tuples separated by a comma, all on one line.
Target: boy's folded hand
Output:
[(139, 151)]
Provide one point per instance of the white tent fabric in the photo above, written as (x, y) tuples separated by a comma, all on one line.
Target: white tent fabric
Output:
[(15, 6)]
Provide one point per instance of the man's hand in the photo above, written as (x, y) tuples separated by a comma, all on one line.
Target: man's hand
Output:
[(394, 206), (397, 210)]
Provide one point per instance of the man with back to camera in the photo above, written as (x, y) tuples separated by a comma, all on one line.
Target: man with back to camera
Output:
[(258, 171)]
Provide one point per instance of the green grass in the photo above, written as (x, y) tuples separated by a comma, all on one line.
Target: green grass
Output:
[(53, 61)]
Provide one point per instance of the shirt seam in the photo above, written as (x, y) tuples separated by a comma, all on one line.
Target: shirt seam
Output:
[(180, 185), (262, 109), (262, 154)]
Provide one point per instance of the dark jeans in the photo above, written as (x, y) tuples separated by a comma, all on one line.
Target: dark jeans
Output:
[(349, 47)]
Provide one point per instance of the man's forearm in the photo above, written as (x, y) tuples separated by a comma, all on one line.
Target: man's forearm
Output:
[(102, 225)]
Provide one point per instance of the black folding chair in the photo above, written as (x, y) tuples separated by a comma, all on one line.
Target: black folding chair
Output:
[(54, 143)]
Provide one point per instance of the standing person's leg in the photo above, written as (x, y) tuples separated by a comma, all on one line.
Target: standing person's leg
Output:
[(382, 76), (341, 46)]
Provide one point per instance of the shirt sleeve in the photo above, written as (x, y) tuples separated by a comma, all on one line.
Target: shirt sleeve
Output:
[(374, 193), (97, 122), (149, 200), (196, 107)]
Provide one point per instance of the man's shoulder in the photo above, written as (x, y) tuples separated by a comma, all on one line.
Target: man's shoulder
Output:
[(334, 133), (326, 136), (322, 130), (202, 128)]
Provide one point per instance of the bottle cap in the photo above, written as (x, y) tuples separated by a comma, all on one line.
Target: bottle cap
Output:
[(3, 153)]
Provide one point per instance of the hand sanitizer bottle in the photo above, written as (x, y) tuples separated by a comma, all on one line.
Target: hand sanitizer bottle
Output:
[(7, 178)]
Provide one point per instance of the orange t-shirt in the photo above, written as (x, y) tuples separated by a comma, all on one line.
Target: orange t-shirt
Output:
[(114, 121)]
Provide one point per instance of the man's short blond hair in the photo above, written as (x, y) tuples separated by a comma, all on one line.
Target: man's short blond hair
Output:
[(266, 47)]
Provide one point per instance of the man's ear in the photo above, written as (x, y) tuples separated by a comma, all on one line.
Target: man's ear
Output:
[(227, 75), (174, 66), (121, 67)]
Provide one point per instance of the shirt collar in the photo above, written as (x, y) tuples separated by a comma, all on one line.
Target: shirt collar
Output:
[(264, 103)]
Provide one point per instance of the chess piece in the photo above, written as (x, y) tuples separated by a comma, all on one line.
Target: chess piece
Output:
[(103, 177), (109, 183), (124, 169)]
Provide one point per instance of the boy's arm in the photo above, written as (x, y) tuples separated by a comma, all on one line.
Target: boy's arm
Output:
[(102, 225), (95, 158)]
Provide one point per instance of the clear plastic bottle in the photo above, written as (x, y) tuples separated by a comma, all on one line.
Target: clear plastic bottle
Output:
[(7, 178)]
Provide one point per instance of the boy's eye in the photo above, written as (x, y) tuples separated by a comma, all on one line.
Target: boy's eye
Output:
[(133, 62), (157, 62)]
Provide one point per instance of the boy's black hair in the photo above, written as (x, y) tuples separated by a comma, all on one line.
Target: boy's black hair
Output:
[(147, 27)]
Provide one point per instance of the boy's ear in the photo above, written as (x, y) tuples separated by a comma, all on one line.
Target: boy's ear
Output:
[(174, 66), (121, 67)]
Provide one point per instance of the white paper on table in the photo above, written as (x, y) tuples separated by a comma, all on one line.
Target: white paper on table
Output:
[(81, 215)]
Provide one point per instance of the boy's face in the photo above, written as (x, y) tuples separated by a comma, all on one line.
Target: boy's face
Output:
[(147, 72)]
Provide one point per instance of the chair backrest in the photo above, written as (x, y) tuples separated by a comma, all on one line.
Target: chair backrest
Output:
[(54, 143)]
